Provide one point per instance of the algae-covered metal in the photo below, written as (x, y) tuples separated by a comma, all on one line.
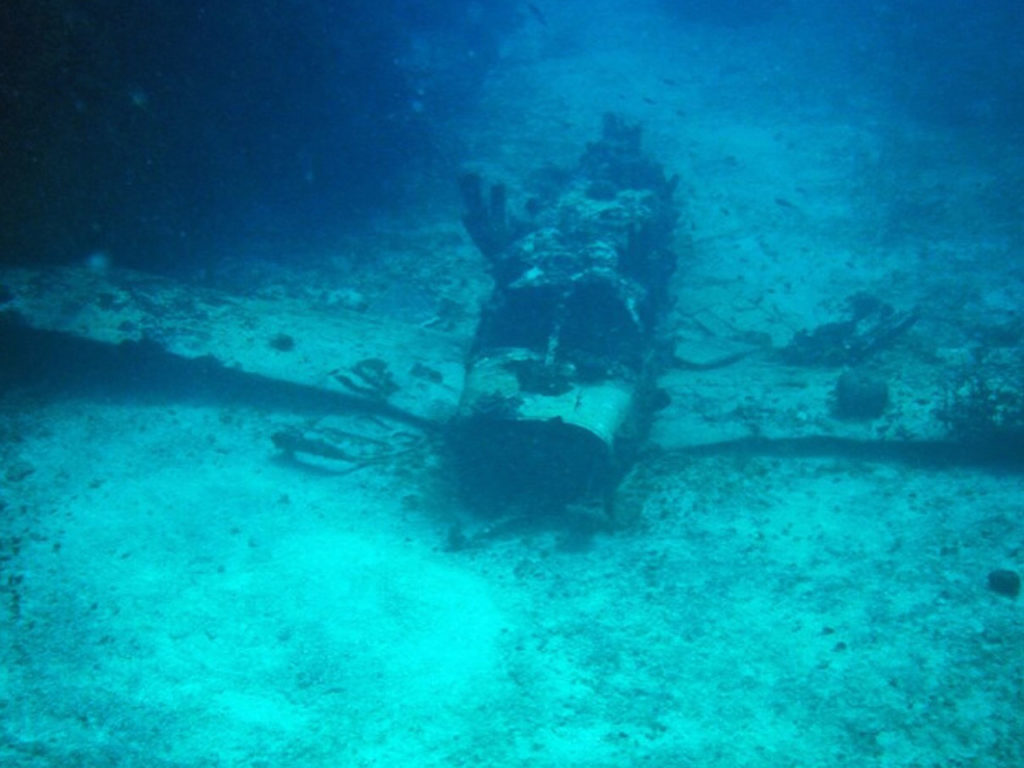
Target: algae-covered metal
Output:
[(561, 363)]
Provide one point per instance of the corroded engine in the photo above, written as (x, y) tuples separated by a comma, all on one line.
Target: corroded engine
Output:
[(559, 378)]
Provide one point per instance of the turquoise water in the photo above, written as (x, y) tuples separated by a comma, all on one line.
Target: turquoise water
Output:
[(241, 312)]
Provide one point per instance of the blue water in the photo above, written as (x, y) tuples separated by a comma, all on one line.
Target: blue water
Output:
[(155, 132)]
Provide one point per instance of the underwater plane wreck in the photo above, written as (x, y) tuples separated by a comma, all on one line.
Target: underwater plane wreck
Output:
[(571, 367)]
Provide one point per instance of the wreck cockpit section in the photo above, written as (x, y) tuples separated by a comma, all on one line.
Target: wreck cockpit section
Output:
[(562, 356)]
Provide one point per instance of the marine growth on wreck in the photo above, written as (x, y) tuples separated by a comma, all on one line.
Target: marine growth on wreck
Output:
[(561, 362)]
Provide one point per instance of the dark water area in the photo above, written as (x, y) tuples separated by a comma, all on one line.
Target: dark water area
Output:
[(155, 130)]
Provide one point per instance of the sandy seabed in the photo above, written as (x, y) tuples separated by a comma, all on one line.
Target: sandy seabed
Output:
[(173, 595)]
